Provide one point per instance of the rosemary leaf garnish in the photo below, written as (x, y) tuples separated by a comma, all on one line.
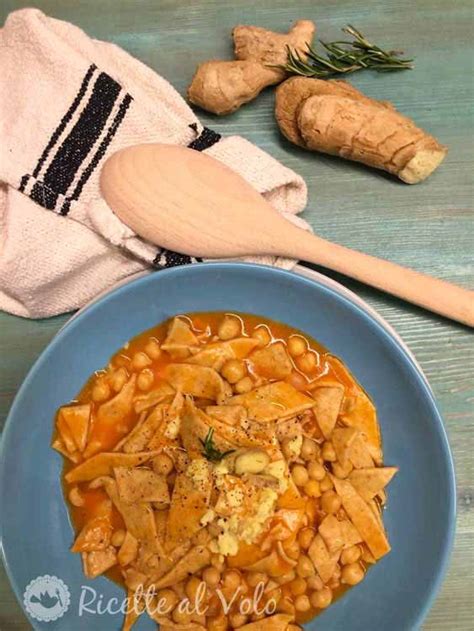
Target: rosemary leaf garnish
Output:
[(344, 57), (210, 452)]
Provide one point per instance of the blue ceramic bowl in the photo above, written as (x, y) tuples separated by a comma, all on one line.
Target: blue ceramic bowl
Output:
[(35, 529)]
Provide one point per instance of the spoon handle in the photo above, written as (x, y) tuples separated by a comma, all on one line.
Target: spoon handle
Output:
[(436, 295)]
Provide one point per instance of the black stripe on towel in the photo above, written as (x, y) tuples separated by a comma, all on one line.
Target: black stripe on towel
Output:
[(206, 139), (75, 148), (61, 127), (44, 196), (168, 258), (24, 181), (99, 154)]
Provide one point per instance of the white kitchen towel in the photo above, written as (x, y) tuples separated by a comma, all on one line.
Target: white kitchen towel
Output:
[(67, 102)]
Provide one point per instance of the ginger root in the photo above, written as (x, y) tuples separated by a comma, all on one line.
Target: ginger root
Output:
[(335, 118), (221, 87), (267, 47), (293, 93)]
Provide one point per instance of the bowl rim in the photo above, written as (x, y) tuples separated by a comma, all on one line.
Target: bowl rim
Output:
[(374, 320), (300, 269)]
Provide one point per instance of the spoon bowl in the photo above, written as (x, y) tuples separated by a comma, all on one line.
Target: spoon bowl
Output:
[(189, 202)]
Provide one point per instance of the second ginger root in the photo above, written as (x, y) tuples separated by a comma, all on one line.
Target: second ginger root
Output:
[(334, 117)]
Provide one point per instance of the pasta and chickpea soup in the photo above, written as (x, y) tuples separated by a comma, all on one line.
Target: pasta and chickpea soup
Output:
[(227, 470)]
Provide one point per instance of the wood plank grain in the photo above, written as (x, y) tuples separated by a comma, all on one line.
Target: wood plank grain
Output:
[(428, 226)]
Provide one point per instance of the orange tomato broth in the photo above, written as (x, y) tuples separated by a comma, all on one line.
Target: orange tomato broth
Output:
[(328, 367)]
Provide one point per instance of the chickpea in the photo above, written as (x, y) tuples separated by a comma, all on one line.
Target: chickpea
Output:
[(314, 582), (328, 453), (298, 586), (307, 362), (256, 578), (162, 464), (152, 349), (243, 386), (211, 576), (352, 574), (192, 588), (297, 345), (181, 617), (316, 471), (341, 471), (100, 391), (312, 488), (140, 360), (304, 567), (229, 327), (274, 596), (326, 484), (145, 379), (237, 620), (118, 538), (75, 497), (231, 579), (217, 624), (119, 379), (330, 502), (234, 370), (299, 475), (122, 360), (166, 600), (322, 598), (262, 335), (350, 555), (305, 537), (302, 603), (309, 450)]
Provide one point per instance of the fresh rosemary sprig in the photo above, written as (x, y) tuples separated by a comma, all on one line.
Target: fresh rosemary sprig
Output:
[(210, 452), (344, 57)]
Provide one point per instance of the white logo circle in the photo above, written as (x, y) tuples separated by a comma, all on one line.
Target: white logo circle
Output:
[(47, 598)]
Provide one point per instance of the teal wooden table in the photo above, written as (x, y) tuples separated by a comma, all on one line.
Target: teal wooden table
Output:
[(428, 227)]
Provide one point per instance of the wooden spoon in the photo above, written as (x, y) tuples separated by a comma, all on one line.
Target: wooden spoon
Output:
[(186, 201)]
